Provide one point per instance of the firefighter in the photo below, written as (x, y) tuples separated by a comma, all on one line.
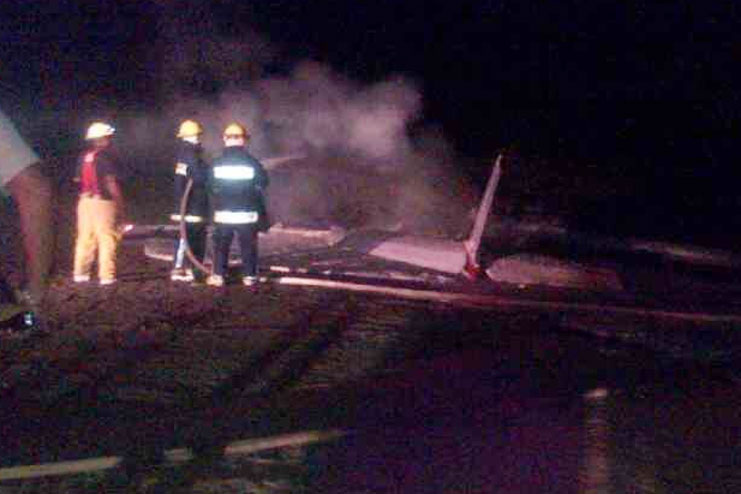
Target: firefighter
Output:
[(237, 184), (21, 177), (190, 165), (100, 207)]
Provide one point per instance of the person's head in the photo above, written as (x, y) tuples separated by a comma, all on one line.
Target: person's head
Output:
[(235, 135), (190, 131), (99, 134)]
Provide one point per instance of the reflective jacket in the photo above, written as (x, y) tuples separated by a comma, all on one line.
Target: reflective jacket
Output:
[(237, 184), (190, 164)]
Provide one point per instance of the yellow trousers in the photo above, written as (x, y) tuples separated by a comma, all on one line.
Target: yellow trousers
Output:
[(96, 232)]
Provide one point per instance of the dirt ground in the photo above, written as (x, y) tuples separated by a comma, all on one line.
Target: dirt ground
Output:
[(116, 362), (146, 365)]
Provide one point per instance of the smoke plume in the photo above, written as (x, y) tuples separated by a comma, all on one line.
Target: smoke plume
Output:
[(364, 157)]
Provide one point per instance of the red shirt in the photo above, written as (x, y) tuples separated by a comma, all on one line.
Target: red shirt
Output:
[(95, 165), (89, 174)]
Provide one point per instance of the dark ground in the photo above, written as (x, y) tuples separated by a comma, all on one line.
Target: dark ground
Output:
[(430, 397)]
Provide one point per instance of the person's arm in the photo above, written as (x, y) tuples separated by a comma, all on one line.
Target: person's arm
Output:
[(265, 177), (114, 189), (261, 175), (32, 194)]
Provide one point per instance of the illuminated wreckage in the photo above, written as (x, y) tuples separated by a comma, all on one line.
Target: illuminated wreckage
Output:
[(640, 291), (450, 262)]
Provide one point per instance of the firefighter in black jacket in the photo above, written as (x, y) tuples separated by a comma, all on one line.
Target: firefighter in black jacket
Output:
[(190, 165), (237, 184)]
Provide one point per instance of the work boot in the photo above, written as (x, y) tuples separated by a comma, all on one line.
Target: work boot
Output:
[(180, 274), (215, 280), (199, 277)]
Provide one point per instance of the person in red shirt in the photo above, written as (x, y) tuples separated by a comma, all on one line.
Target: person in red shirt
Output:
[(99, 209)]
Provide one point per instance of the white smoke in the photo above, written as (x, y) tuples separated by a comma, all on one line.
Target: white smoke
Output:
[(361, 164), (314, 110), (311, 111)]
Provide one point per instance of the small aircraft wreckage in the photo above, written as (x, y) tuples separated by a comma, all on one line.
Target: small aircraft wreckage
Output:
[(625, 289), (497, 250), (669, 297)]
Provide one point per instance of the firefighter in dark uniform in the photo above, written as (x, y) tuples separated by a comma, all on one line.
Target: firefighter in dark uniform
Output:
[(238, 181), (190, 165)]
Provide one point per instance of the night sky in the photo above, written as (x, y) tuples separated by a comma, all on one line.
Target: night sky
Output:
[(643, 93)]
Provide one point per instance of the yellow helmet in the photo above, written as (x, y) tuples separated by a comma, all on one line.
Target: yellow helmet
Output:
[(98, 130), (190, 128), (235, 130)]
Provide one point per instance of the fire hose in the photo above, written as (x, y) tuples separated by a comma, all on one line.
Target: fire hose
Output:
[(183, 232)]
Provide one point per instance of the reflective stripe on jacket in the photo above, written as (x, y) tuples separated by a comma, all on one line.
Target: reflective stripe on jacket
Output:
[(237, 182), (235, 217), (234, 172), (189, 218)]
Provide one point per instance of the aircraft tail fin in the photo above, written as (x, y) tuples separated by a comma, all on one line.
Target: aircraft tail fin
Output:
[(472, 269)]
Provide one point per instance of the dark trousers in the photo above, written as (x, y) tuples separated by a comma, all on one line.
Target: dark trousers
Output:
[(7, 295), (247, 235), (195, 233)]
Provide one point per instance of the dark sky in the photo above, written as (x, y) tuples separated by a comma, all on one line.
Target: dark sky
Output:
[(644, 89), (571, 73)]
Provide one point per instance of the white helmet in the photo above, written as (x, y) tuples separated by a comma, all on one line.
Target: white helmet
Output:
[(98, 130)]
